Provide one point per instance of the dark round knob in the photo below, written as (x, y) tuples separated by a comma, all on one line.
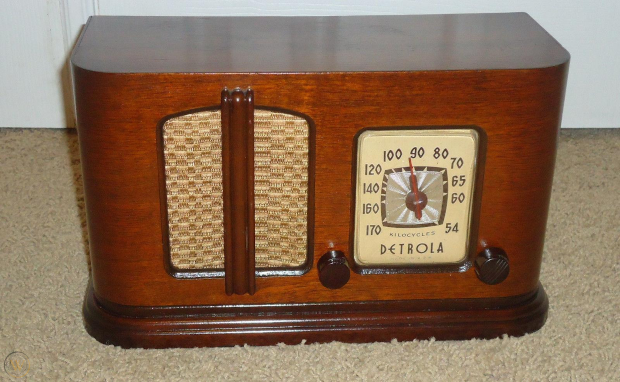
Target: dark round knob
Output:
[(492, 266), (334, 270)]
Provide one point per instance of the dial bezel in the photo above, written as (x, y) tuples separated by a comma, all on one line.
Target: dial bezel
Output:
[(472, 244), (445, 199)]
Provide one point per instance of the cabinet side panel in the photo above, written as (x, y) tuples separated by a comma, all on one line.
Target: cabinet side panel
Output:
[(119, 165)]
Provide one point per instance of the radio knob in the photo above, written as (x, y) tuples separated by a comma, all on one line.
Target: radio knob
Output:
[(492, 265), (334, 270)]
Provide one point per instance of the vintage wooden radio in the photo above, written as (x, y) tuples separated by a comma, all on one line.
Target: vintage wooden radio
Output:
[(279, 179)]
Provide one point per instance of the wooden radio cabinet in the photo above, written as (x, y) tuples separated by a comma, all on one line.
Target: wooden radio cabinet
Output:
[(277, 179)]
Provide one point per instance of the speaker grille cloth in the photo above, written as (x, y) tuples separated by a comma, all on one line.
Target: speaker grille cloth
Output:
[(193, 167)]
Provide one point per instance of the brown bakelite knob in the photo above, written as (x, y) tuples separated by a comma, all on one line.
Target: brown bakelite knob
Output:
[(492, 266), (334, 270)]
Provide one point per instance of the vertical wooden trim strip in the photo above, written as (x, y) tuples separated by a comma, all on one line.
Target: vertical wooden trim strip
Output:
[(226, 158), (251, 256), (238, 188)]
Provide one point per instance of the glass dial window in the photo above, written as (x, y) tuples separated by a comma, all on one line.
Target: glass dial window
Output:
[(414, 196)]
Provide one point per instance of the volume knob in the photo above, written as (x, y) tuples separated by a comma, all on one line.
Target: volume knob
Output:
[(334, 270), (492, 265)]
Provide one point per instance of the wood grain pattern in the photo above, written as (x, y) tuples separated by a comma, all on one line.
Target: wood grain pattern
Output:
[(238, 174), (518, 108), (316, 44), (229, 272), (213, 326), (250, 257)]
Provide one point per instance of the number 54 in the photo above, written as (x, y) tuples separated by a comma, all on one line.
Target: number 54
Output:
[(452, 228)]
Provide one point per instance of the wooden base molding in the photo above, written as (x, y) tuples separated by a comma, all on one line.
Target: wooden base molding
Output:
[(290, 324)]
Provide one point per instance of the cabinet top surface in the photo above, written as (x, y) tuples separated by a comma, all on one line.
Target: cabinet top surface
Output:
[(128, 44)]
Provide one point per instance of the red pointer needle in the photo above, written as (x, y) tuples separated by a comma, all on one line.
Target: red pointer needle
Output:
[(416, 192)]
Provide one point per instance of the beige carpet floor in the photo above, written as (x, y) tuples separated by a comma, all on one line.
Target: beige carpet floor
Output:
[(44, 273)]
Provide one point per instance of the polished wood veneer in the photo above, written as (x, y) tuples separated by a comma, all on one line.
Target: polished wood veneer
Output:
[(500, 72), (355, 323)]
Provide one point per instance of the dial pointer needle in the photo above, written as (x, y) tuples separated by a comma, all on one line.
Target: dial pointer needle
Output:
[(416, 192)]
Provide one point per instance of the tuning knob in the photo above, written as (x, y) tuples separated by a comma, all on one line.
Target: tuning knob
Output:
[(492, 265), (334, 270)]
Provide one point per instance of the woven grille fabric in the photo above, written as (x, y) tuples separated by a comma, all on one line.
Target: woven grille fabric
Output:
[(193, 167), (280, 188)]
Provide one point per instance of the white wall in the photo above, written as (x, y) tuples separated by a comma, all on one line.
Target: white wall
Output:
[(36, 37)]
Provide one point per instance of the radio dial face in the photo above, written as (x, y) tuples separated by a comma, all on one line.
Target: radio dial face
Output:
[(414, 196)]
